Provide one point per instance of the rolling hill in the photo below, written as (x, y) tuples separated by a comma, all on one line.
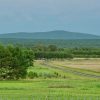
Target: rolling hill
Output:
[(50, 35)]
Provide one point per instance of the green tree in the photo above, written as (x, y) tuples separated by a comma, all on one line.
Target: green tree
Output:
[(14, 62), (52, 48)]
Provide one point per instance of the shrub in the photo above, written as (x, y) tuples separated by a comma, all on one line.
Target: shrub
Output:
[(56, 74), (32, 75)]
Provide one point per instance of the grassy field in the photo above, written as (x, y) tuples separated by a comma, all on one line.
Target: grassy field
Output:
[(52, 84), (54, 89)]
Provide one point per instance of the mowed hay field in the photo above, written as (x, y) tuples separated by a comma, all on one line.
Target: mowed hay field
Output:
[(82, 63), (52, 84)]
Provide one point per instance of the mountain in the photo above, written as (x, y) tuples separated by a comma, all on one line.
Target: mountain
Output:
[(50, 35)]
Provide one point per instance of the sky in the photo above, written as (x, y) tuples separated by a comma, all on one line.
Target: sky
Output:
[(47, 15)]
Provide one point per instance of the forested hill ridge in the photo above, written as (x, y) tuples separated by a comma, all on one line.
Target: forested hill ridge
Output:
[(49, 35)]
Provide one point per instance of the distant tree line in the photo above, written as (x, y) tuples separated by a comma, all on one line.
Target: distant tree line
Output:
[(52, 51), (85, 52), (50, 55), (80, 43)]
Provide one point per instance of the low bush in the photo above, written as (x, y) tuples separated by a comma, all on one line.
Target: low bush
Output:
[(32, 75)]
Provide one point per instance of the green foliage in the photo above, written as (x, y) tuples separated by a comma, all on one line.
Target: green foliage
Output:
[(49, 55), (51, 51), (85, 52), (76, 48), (52, 47), (32, 74), (14, 62), (79, 43)]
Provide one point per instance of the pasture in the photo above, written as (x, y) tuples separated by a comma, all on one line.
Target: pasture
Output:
[(53, 83)]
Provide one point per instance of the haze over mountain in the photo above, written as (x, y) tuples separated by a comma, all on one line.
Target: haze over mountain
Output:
[(58, 34)]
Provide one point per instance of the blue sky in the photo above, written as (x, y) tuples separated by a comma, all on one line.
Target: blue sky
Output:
[(46, 15)]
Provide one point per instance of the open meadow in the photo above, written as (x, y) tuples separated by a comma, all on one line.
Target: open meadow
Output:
[(51, 82)]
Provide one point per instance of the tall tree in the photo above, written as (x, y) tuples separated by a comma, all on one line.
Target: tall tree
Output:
[(14, 62)]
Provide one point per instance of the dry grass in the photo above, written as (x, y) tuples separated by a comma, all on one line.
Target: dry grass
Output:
[(89, 64)]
